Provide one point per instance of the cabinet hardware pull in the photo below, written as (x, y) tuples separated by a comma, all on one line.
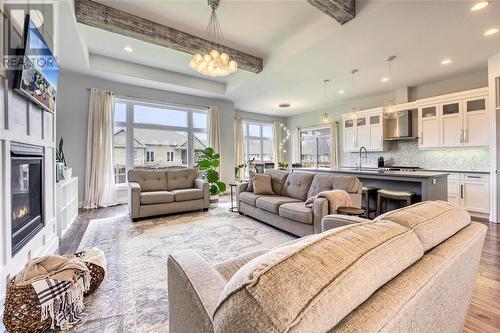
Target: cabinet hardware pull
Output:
[(422, 137), (466, 135), (461, 191), (477, 177), (461, 136)]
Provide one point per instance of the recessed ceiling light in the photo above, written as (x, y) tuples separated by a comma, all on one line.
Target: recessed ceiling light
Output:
[(446, 61), (128, 49), (384, 79), (491, 31), (480, 5), (284, 105), (341, 91)]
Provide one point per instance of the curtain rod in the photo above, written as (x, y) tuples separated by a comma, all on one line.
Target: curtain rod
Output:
[(151, 101)]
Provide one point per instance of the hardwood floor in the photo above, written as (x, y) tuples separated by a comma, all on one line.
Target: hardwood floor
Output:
[(484, 310)]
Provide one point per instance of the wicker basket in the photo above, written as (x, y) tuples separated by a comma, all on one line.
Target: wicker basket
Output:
[(96, 276), (22, 312)]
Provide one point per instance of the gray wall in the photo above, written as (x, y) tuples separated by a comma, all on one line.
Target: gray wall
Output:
[(456, 84), (72, 115)]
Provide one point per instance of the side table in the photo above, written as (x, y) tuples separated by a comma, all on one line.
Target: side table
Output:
[(232, 186)]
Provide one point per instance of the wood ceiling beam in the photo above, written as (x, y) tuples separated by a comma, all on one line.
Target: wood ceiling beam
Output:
[(110, 19), (341, 10)]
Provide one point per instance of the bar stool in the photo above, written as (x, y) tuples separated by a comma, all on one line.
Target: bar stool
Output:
[(384, 195), (367, 193)]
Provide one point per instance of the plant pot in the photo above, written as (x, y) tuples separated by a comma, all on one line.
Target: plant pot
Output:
[(68, 172), (59, 171), (214, 201)]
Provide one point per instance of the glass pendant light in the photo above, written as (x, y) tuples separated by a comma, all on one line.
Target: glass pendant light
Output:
[(390, 110), (325, 118), (353, 114)]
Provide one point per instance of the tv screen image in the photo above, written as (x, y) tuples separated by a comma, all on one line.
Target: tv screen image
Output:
[(39, 75)]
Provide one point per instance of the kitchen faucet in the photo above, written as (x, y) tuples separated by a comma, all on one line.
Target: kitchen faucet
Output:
[(366, 156)]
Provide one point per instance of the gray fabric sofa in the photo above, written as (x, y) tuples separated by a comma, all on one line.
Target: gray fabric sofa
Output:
[(159, 192), (410, 271), (286, 209)]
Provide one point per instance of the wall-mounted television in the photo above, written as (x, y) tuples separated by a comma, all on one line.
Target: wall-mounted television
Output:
[(38, 76)]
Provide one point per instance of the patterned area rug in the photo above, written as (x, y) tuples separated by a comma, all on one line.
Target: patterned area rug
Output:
[(134, 297)]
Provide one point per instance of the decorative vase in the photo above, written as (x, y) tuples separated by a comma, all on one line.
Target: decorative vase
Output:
[(68, 172), (214, 201), (59, 171)]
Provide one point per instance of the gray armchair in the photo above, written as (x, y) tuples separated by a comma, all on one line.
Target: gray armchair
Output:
[(159, 192)]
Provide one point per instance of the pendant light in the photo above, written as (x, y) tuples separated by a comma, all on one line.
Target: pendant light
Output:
[(353, 114), (389, 109), (325, 118), (214, 62)]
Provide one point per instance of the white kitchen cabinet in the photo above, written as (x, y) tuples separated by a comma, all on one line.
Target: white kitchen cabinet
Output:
[(451, 124), (470, 191), (349, 134), (364, 131), (476, 122), (455, 120), (428, 125), (376, 142)]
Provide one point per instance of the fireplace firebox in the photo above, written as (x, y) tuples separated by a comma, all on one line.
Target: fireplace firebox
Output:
[(26, 184)]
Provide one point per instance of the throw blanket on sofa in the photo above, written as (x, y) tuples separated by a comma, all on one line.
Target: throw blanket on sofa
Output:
[(60, 282), (336, 199)]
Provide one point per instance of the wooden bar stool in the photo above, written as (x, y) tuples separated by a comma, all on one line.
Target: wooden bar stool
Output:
[(367, 194), (384, 195)]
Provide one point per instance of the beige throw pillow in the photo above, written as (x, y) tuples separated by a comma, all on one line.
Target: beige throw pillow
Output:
[(262, 184)]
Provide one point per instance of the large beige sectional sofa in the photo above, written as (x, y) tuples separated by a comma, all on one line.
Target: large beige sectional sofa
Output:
[(160, 192), (286, 209), (410, 270)]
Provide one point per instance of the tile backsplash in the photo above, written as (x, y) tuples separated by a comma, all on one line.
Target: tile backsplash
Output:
[(407, 153)]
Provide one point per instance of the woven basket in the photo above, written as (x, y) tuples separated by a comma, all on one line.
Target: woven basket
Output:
[(22, 312), (96, 276)]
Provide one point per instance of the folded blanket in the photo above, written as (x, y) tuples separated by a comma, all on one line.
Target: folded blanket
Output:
[(59, 282), (336, 199)]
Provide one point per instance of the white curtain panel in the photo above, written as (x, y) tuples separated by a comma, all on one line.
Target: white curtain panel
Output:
[(99, 174), (276, 142), (238, 141), (214, 128), (334, 145)]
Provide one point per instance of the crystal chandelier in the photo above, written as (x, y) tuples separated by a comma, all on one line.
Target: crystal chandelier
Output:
[(284, 135), (214, 63), (325, 118), (390, 110), (353, 115)]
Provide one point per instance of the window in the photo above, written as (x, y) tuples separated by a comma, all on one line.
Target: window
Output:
[(258, 142), (170, 156), (150, 155), (315, 147), (156, 136)]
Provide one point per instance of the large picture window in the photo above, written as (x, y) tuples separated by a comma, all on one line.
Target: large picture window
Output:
[(156, 136), (258, 142), (315, 147)]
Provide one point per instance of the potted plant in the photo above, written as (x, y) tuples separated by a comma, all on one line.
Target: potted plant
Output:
[(237, 169), (209, 163), (282, 166), (62, 171)]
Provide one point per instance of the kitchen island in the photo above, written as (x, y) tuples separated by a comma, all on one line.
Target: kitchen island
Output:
[(427, 185)]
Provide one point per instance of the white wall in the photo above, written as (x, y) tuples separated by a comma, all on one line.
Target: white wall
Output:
[(464, 82), (493, 73), (72, 115)]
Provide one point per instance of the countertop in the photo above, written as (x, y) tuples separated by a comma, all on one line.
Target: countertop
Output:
[(374, 172)]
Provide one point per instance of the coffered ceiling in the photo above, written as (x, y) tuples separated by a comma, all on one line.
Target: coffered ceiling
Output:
[(300, 45)]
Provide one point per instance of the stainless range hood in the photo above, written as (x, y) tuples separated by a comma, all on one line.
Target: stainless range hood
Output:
[(402, 128)]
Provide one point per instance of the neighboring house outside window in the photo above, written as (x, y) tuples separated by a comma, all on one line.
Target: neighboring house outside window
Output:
[(315, 147), (136, 155), (150, 156), (258, 142), (170, 156)]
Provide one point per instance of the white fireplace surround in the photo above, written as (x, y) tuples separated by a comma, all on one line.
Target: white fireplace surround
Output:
[(23, 122)]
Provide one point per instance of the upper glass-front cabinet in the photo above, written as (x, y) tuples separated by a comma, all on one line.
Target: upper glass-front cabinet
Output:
[(429, 111), (451, 108), (476, 105)]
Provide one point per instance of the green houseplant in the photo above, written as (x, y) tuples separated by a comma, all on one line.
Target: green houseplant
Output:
[(209, 164), (282, 165)]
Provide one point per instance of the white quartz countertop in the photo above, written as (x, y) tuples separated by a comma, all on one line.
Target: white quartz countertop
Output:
[(375, 172)]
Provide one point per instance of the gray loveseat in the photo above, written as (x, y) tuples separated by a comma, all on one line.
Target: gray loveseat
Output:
[(286, 209), (159, 192)]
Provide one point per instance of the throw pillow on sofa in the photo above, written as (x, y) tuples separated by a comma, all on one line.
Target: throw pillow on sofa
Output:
[(251, 173), (262, 184)]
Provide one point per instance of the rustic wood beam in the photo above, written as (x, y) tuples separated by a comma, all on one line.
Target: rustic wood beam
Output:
[(341, 10), (110, 19)]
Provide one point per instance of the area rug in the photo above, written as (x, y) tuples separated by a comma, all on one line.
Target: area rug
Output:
[(134, 296)]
